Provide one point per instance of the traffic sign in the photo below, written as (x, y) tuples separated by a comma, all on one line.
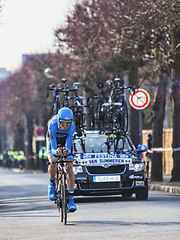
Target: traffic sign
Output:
[(140, 99), (39, 131)]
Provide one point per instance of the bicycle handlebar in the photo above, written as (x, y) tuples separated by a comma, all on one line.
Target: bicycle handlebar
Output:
[(112, 104), (62, 160), (74, 97), (58, 90), (132, 88)]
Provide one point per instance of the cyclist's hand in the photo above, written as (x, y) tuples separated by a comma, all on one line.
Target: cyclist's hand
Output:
[(62, 151), (59, 151)]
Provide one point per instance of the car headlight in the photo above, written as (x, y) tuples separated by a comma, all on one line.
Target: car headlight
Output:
[(137, 167), (77, 169)]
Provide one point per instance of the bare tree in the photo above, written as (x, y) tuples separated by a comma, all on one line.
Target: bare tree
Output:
[(176, 98)]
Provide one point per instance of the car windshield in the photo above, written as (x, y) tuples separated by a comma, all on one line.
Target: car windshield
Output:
[(94, 143)]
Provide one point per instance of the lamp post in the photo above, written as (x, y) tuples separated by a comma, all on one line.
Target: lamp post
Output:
[(48, 73)]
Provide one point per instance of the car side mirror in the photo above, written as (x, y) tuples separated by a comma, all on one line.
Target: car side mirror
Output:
[(141, 148)]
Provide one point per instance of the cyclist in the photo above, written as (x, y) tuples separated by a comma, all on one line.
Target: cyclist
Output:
[(60, 133)]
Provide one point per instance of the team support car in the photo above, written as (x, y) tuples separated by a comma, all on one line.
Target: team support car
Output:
[(109, 164)]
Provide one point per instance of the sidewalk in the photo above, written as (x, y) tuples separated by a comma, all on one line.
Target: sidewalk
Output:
[(165, 186)]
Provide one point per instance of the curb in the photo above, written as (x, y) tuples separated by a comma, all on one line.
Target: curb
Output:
[(164, 188)]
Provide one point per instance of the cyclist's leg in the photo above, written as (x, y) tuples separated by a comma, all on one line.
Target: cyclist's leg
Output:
[(52, 170), (70, 183), (52, 173), (51, 159), (70, 174), (52, 165)]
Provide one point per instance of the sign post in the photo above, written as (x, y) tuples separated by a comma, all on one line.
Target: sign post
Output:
[(139, 101)]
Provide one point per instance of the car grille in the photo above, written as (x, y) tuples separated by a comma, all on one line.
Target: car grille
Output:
[(105, 185), (102, 170), (127, 183), (101, 185)]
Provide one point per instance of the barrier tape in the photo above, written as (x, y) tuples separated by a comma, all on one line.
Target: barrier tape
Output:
[(163, 149)]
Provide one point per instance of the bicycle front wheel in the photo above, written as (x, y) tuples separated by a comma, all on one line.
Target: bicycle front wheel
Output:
[(125, 117), (58, 193), (121, 118), (64, 209)]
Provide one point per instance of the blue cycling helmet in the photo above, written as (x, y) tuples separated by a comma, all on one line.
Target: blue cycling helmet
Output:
[(65, 114)]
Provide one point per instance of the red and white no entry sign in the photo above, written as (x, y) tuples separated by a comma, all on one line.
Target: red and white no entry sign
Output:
[(140, 99)]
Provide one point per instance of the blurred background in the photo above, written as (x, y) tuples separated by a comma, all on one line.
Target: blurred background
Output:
[(89, 42)]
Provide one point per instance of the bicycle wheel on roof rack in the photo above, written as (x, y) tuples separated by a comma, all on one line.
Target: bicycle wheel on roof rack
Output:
[(91, 113), (121, 119), (125, 116), (105, 118)]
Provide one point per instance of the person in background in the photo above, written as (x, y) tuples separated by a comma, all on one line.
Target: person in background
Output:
[(43, 158), (148, 154), (5, 159)]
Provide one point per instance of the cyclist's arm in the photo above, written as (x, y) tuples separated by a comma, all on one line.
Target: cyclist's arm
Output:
[(53, 145), (68, 144), (53, 141), (69, 139)]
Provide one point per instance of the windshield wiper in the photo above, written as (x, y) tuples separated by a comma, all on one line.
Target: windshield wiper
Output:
[(127, 151), (121, 150)]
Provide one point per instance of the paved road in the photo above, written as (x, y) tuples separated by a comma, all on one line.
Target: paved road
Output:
[(26, 213)]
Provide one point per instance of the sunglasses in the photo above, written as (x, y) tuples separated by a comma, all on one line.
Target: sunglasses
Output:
[(64, 122)]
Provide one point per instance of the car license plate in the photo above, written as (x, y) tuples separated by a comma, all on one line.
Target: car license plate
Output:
[(112, 178)]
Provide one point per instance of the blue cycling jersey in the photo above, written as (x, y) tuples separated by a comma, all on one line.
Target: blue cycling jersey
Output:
[(56, 134)]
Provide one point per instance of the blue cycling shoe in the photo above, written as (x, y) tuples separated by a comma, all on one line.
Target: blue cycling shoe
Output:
[(51, 191), (72, 205)]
